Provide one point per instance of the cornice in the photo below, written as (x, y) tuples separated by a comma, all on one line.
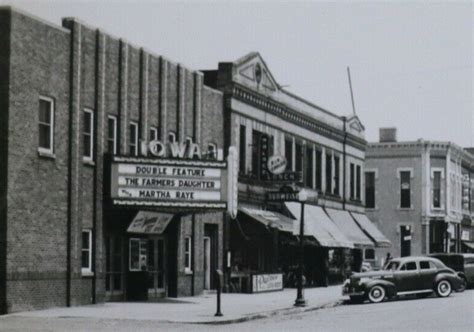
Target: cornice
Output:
[(285, 113)]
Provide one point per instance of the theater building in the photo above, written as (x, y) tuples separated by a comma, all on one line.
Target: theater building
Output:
[(421, 194), (319, 151), (112, 176)]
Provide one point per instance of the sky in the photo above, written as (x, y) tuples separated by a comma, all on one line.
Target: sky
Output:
[(410, 62)]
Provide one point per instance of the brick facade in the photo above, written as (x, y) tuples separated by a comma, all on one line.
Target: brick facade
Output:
[(47, 200)]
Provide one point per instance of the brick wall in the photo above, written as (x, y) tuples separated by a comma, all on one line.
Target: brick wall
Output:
[(53, 198)]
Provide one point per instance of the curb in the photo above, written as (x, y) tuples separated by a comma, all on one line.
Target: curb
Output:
[(279, 312)]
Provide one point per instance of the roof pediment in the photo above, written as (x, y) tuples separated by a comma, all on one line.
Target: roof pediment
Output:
[(252, 71), (355, 126)]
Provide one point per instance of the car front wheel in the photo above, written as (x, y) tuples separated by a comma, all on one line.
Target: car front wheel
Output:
[(376, 294), (443, 288)]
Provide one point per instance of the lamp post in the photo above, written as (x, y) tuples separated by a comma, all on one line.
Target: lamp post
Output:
[(300, 301)]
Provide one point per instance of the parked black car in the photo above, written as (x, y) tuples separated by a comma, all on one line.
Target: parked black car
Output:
[(461, 263), (402, 276)]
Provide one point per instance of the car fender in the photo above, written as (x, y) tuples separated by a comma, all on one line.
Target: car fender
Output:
[(389, 286), (461, 275), (453, 279)]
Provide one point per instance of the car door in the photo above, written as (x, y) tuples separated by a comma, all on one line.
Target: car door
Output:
[(427, 274), (406, 277)]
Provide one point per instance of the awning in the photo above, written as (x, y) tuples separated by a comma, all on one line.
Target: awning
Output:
[(371, 230), (349, 227), (269, 218), (149, 222), (469, 244), (318, 225)]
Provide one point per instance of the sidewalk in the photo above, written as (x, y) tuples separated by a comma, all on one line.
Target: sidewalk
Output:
[(200, 309)]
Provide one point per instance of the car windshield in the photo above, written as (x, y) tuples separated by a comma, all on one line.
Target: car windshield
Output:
[(391, 266)]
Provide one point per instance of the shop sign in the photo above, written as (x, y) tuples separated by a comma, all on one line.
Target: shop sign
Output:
[(276, 164), (167, 182), (285, 177), (264, 146), (285, 194), (149, 223), (267, 282)]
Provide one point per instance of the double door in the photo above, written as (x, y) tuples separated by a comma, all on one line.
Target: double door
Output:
[(156, 280)]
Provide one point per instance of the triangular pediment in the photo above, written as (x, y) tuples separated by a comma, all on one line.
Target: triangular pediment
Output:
[(252, 71), (355, 125)]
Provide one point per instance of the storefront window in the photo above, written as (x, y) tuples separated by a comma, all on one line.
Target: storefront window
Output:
[(138, 255)]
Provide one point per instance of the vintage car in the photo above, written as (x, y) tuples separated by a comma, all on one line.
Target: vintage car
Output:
[(462, 263), (402, 276)]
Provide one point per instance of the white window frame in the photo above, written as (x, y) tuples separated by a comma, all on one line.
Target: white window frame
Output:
[(41, 149), (153, 132), (399, 171), (135, 139), (90, 155), (188, 250), (441, 192), (114, 119), (87, 270)]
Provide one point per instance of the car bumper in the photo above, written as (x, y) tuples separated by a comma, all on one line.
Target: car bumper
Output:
[(351, 291)]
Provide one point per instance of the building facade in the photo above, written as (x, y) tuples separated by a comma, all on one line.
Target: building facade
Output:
[(326, 154), (78, 224), (420, 194)]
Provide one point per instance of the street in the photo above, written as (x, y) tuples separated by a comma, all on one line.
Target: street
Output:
[(454, 313)]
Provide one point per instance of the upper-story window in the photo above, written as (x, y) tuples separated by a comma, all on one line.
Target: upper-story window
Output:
[(154, 136), (336, 175), (88, 135), (405, 189), (370, 190), (289, 153), (328, 173), (133, 146), (212, 151), (299, 157), (358, 182), (319, 171), (242, 149), (309, 166), (436, 199), (352, 181), (46, 125), (112, 134)]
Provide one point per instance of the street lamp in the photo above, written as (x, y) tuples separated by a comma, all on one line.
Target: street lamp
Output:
[(300, 301)]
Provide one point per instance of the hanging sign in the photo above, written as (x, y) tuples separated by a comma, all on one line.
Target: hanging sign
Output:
[(276, 164)]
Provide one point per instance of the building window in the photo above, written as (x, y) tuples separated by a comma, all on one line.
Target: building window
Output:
[(289, 153), (309, 167), (88, 135), (187, 254), (212, 151), (242, 149), (133, 147), (299, 157), (319, 171), (437, 189), (86, 266), (352, 181), (154, 134), (358, 182), (46, 125), (370, 190), (405, 200), (112, 134), (171, 137), (336, 175), (369, 254), (328, 173)]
